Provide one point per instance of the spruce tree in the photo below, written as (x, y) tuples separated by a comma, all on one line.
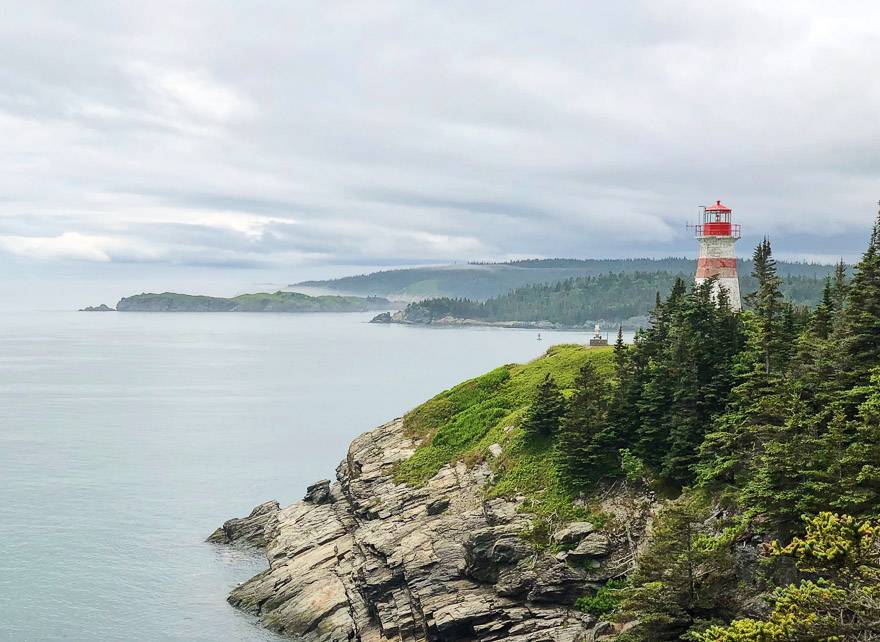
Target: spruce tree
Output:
[(543, 416), (756, 408), (838, 291), (658, 375), (689, 350), (857, 471), (623, 412), (579, 461), (860, 341), (678, 580), (823, 318), (767, 304), (620, 354), (781, 488)]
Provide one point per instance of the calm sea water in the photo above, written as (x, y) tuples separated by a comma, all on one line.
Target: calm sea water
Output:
[(125, 439)]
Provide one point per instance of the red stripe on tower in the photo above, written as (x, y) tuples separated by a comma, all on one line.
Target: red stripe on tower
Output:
[(716, 263)]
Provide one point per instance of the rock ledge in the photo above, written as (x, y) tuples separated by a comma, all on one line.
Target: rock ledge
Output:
[(365, 559)]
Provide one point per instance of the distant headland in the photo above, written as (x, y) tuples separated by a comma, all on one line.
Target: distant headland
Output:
[(280, 301)]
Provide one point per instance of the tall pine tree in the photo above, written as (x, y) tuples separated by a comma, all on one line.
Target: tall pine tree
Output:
[(543, 416), (860, 342), (585, 423), (767, 305)]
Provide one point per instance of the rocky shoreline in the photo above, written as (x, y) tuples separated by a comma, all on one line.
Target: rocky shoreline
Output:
[(367, 559), (449, 321)]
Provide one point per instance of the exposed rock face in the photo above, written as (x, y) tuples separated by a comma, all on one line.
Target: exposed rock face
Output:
[(593, 545), (377, 561), (573, 533), (250, 530), (319, 492)]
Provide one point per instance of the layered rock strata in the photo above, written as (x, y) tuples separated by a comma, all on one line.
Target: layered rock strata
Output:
[(367, 559), (247, 531)]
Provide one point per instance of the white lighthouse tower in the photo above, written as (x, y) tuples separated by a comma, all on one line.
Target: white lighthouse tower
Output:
[(718, 236)]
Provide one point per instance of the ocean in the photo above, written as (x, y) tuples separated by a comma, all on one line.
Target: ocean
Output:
[(127, 438)]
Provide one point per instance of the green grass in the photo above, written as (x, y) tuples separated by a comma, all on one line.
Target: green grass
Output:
[(461, 423)]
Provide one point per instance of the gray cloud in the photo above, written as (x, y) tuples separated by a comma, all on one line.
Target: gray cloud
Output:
[(291, 134)]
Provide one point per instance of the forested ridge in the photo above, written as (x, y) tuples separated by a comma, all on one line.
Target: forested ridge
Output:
[(763, 430), (615, 298), (481, 281)]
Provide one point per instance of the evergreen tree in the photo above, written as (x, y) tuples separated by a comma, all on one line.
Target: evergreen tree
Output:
[(679, 376), (680, 578), (857, 470), (658, 378), (835, 482), (783, 483), (860, 343), (767, 304), (543, 416), (623, 412), (585, 423), (756, 409), (758, 406), (620, 354), (692, 347), (840, 286), (822, 320)]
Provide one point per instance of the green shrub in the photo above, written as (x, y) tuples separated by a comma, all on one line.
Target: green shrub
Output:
[(604, 601)]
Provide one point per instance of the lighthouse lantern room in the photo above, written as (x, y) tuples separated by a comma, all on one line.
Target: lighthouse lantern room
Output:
[(718, 236)]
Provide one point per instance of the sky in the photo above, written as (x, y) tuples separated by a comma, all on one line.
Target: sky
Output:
[(223, 147)]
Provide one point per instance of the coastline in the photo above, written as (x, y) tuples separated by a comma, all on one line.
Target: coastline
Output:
[(397, 318), (366, 558)]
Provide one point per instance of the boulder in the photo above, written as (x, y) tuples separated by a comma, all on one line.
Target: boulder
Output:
[(318, 493), (248, 531), (573, 533), (437, 506), (593, 545)]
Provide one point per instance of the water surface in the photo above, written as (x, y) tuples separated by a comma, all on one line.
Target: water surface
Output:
[(126, 438)]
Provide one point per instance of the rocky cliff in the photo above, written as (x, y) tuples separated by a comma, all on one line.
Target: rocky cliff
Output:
[(369, 559)]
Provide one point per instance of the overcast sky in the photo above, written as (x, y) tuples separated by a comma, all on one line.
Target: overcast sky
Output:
[(223, 145)]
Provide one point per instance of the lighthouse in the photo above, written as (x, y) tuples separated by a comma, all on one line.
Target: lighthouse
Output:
[(718, 236)]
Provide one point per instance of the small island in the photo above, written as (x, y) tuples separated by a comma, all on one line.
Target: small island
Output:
[(280, 301), (97, 308)]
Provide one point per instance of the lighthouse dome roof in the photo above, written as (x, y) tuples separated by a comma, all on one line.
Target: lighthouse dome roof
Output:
[(718, 207)]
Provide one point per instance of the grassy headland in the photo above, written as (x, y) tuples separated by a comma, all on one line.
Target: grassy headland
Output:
[(462, 422)]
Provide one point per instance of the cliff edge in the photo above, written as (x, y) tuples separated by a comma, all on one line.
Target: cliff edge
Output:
[(369, 559)]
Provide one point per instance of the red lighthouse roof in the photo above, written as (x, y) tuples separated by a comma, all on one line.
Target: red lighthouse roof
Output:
[(718, 207)]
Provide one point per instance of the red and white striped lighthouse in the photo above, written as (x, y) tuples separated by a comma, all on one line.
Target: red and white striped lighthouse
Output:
[(718, 236)]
